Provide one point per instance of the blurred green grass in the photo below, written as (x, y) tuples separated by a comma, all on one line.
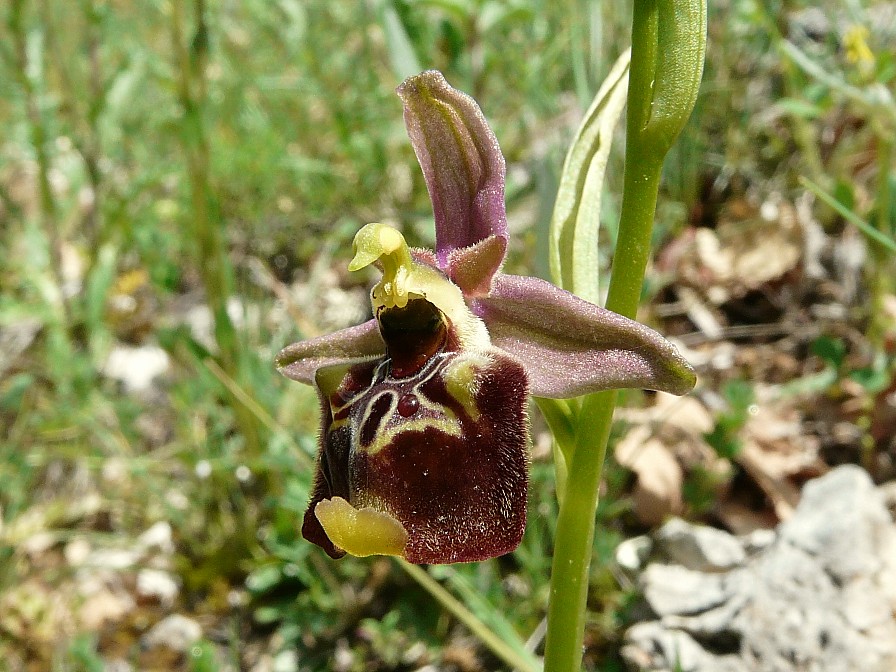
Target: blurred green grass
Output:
[(298, 141)]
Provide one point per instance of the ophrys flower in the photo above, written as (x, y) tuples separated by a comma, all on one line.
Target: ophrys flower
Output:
[(424, 437)]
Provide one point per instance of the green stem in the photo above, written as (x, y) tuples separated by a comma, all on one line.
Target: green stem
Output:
[(882, 271), (559, 417), (38, 136), (214, 264), (885, 151), (575, 525), (667, 50), (575, 537)]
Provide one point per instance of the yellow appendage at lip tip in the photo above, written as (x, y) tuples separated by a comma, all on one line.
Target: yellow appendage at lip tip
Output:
[(361, 532)]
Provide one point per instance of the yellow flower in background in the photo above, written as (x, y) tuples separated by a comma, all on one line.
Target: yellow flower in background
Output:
[(855, 42)]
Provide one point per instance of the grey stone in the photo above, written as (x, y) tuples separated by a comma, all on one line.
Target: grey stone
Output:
[(653, 647), (117, 665), (632, 553), (699, 547), (842, 519), (157, 585), (818, 595), (175, 632), (674, 590)]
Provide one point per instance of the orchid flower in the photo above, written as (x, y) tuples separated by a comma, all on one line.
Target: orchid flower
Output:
[(424, 437)]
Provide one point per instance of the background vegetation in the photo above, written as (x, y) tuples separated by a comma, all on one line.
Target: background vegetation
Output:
[(179, 184)]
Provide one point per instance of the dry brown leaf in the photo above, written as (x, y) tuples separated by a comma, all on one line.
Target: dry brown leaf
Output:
[(657, 493), (777, 453), (105, 600), (665, 443), (744, 252)]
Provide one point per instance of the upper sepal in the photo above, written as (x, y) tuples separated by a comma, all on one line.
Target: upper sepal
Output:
[(300, 361), (571, 347), (461, 161)]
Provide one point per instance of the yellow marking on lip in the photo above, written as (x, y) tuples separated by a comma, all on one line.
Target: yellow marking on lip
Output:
[(447, 425), (460, 378), (338, 424), (361, 532), (461, 381)]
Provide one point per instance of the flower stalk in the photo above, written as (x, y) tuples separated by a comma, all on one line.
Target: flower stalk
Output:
[(668, 44)]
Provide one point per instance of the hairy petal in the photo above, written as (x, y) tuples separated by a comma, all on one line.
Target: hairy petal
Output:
[(432, 466), (461, 161), (571, 347), (472, 268), (301, 360)]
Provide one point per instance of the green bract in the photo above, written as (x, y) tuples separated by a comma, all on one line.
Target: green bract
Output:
[(424, 438)]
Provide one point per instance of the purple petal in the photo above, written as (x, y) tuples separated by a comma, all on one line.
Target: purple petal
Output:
[(461, 161), (301, 360), (571, 347)]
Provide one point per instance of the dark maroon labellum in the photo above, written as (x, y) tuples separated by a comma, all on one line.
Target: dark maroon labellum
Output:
[(443, 451)]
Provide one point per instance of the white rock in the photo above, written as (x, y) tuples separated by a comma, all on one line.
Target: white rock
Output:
[(670, 589), (77, 551), (841, 517), (136, 367), (158, 538), (819, 595), (286, 661), (39, 543), (650, 646), (117, 665), (699, 547), (157, 585), (632, 553), (175, 632), (112, 558)]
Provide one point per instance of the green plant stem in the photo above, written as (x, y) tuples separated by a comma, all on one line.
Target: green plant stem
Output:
[(882, 280), (885, 151), (575, 525), (558, 413), (654, 119), (575, 536)]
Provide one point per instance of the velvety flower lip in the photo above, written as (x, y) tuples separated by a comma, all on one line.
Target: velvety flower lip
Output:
[(424, 434)]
